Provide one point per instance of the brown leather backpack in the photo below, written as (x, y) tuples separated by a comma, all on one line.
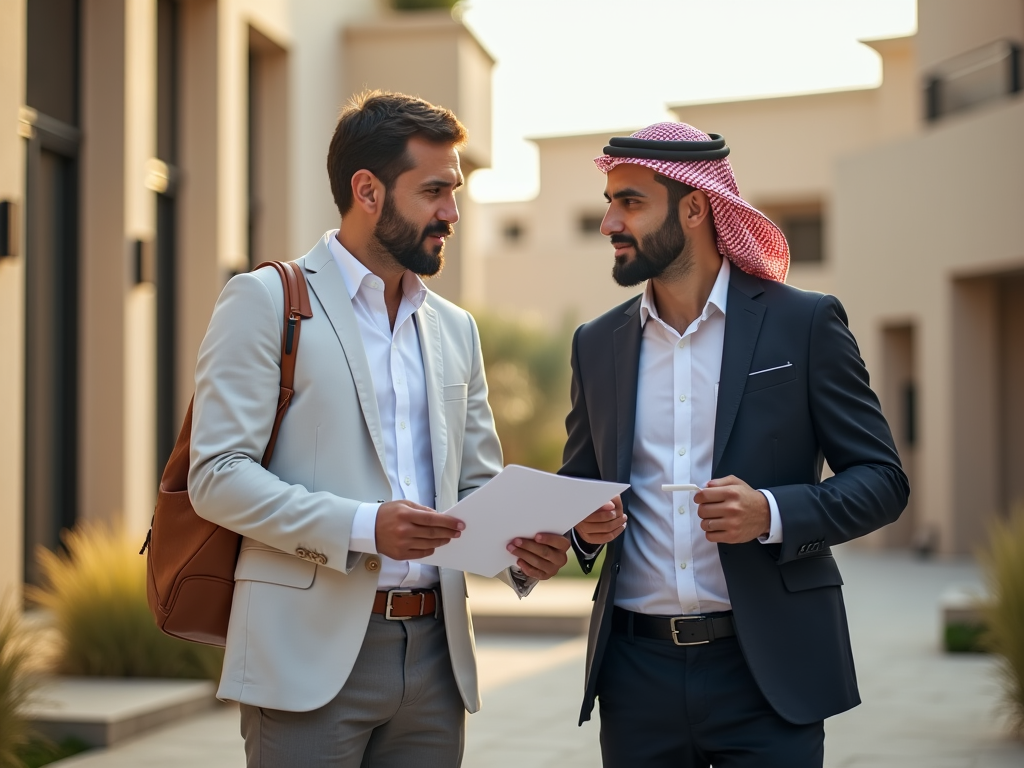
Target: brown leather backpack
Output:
[(190, 570)]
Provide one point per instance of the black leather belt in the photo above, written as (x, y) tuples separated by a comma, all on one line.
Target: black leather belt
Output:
[(681, 630)]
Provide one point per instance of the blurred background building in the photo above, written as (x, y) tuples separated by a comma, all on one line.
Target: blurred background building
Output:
[(905, 200), (151, 148)]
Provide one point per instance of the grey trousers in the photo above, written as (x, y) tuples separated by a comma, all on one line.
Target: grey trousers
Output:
[(399, 707)]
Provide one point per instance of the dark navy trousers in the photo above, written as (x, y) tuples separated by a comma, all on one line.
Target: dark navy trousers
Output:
[(664, 706)]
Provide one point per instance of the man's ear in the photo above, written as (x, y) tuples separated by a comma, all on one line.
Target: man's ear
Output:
[(367, 192), (694, 209)]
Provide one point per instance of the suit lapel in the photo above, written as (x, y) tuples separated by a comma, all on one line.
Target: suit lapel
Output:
[(329, 286), (742, 325), (627, 371), (433, 368)]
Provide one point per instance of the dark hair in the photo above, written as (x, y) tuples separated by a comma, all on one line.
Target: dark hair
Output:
[(372, 134), (676, 189)]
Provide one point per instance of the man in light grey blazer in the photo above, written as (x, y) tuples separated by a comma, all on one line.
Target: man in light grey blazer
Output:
[(341, 648)]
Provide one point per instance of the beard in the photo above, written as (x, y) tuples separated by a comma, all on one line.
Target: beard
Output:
[(655, 253), (406, 244)]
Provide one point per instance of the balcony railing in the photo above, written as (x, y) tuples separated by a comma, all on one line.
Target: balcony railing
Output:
[(990, 72)]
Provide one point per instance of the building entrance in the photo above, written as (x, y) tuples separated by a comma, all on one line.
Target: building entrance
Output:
[(51, 280)]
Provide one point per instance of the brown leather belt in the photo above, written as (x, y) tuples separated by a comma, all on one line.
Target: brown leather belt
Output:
[(402, 604), (680, 630)]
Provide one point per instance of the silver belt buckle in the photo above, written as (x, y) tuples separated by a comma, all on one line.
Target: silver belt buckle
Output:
[(388, 608), (675, 632)]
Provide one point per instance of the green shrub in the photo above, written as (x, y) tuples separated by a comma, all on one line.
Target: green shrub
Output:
[(96, 592), (16, 685), (965, 638), (528, 380), (40, 752), (1003, 563)]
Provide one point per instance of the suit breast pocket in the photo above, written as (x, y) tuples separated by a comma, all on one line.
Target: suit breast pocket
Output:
[(455, 392), (771, 377), (455, 404)]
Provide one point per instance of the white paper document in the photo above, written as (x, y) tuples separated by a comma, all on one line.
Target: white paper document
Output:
[(518, 503)]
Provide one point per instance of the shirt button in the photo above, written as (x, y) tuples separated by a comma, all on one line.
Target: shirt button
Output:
[(407, 480), (682, 398), (682, 343), (374, 284), (402, 424), (682, 451), (683, 566), (682, 509)]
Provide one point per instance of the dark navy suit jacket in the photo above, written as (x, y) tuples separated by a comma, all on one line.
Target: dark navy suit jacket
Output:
[(773, 431)]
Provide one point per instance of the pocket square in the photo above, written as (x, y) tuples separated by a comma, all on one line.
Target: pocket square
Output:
[(766, 370)]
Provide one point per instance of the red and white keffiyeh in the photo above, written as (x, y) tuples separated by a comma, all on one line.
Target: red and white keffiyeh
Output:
[(748, 237)]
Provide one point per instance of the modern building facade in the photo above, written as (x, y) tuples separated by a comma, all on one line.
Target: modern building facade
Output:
[(928, 235), (904, 200), (149, 149)]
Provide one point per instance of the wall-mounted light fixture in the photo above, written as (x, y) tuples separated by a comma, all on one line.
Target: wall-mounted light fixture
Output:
[(158, 176), (8, 228)]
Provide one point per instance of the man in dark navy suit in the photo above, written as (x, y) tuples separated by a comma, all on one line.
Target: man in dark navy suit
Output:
[(719, 635)]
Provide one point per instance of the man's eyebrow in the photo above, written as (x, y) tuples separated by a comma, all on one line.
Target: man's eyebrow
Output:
[(443, 183), (627, 192)]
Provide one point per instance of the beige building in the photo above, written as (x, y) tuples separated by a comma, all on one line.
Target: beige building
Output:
[(547, 256), (928, 234), (148, 150), (905, 200)]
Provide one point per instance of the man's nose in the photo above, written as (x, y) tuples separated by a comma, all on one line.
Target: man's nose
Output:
[(610, 224), (450, 212)]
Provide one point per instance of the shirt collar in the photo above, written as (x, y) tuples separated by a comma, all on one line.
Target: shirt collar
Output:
[(356, 275), (716, 300)]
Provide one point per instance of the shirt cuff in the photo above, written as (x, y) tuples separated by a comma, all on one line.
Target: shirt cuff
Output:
[(581, 548), (364, 529), (775, 532)]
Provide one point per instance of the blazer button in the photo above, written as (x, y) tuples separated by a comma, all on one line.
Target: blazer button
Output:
[(373, 564)]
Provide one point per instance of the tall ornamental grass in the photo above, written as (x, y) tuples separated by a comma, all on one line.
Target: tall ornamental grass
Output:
[(1003, 563), (16, 685), (96, 593)]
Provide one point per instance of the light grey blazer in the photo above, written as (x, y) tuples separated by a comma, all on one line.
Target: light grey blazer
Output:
[(297, 625)]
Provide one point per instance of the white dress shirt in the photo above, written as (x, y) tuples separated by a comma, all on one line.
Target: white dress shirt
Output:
[(669, 568), (399, 383)]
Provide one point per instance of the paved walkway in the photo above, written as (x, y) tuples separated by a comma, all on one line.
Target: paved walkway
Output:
[(921, 708)]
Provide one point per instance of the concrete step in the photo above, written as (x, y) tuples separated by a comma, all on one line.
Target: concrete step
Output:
[(560, 606), (104, 711)]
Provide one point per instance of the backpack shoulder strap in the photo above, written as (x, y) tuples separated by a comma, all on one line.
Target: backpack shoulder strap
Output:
[(296, 307)]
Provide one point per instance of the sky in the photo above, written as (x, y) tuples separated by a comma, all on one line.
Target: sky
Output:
[(582, 66)]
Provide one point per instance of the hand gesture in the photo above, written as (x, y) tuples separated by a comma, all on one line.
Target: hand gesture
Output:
[(542, 556), (731, 512), (408, 531), (603, 525)]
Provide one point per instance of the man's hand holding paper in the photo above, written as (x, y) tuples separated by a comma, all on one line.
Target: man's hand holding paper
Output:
[(510, 521), (408, 531), (603, 525), (542, 556)]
